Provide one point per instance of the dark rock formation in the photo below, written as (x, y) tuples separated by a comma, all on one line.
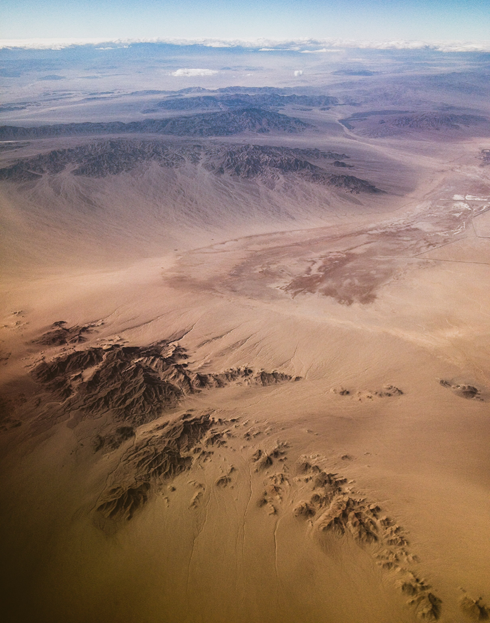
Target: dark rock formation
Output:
[(437, 121), (111, 157), (228, 101), (208, 124), (60, 334), (392, 122), (157, 457), (136, 384)]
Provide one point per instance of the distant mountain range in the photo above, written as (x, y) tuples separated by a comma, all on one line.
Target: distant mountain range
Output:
[(207, 124), (227, 101), (379, 123)]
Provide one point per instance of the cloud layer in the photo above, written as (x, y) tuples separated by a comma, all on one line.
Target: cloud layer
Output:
[(318, 46)]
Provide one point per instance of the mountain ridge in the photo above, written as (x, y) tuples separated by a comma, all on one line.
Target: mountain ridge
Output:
[(112, 157), (206, 124)]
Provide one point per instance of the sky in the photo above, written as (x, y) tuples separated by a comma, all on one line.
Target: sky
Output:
[(371, 20)]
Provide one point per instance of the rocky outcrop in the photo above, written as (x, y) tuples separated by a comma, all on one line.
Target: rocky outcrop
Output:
[(157, 457), (60, 334), (267, 163), (136, 384), (256, 161)]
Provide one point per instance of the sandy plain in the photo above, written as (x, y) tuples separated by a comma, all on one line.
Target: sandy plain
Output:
[(351, 486)]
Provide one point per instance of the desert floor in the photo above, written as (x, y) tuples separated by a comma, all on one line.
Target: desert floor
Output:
[(352, 486)]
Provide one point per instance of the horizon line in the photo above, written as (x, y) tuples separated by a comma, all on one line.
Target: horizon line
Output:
[(261, 44)]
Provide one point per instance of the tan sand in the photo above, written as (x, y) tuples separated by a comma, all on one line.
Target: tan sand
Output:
[(358, 492)]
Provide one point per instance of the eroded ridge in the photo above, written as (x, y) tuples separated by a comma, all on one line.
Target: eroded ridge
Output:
[(269, 164), (334, 508), (325, 502), (157, 457), (137, 384), (60, 334)]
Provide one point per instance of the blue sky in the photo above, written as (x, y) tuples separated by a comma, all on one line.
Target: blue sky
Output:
[(428, 20)]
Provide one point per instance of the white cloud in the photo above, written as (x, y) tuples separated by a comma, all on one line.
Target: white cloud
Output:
[(189, 73), (321, 51), (48, 44), (306, 46), (276, 49), (298, 72)]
